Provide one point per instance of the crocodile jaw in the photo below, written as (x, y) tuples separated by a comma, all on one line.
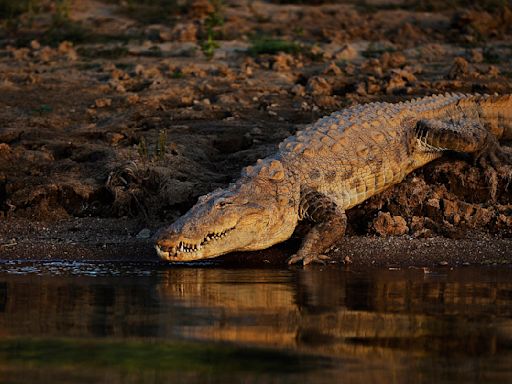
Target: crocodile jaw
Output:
[(181, 248)]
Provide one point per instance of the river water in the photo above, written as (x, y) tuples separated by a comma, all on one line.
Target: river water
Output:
[(113, 323)]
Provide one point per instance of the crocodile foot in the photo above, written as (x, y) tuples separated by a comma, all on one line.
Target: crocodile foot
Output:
[(496, 161), (308, 258)]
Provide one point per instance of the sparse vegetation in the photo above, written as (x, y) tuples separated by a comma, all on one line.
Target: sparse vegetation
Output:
[(142, 149), (273, 46), (177, 74), (43, 109), (212, 22), (159, 148), (161, 145), (61, 14), (374, 51)]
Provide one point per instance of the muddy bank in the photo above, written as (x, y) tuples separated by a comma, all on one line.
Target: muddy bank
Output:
[(122, 240), (116, 118)]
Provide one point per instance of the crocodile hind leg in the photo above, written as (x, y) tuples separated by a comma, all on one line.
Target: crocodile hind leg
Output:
[(468, 136), (330, 224)]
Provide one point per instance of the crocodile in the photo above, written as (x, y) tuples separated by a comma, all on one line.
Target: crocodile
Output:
[(333, 165)]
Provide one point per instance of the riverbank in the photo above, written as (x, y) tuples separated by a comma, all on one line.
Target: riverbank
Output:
[(116, 117)]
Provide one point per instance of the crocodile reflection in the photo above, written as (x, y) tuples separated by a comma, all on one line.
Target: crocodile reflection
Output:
[(334, 311), (328, 311)]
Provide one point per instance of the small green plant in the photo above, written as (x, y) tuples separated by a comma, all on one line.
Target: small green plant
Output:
[(214, 20), (374, 51), (209, 46), (43, 109), (177, 74), (61, 15), (142, 149), (159, 151), (273, 46), (298, 31), (161, 145)]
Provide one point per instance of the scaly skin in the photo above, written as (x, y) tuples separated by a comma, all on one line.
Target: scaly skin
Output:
[(333, 165)]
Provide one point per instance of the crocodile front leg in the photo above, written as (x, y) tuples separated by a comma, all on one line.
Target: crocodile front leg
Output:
[(330, 225)]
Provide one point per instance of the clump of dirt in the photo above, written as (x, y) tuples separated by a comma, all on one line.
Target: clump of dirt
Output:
[(451, 198), (113, 110), (385, 224)]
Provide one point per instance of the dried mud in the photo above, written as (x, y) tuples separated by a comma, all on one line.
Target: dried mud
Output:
[(115, 125)]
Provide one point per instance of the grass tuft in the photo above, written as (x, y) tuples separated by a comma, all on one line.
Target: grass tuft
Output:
[(272, 46)]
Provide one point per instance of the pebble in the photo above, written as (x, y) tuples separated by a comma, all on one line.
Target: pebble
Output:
[(144, 234)]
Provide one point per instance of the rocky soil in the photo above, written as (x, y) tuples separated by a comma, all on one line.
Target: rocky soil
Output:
[(116, 116)]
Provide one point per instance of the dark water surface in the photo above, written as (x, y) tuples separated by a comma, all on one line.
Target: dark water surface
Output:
[(112, 323)]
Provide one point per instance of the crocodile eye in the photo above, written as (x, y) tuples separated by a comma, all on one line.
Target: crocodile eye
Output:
[(223, 203)]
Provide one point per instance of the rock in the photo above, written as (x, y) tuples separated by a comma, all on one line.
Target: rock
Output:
[(298, 90), (478, 24), (430, 52), (46, 54), (450, 208), (183, 32), (347, 53), (282, 62), (318, 86), (103, 102), (460, 69), (504, 221), (399, 79), (34, 44), (433, 209), (326, 101), (410, 35), (417, 223), (144, 234), (5, 150), (392, 59), (66, 48), (480, 217), (386, 225), (200, 9), (193, 70), (114, 138), (476, 55), (493, 71), (419, 229), (333, 69), (20, 54), (132, 98)]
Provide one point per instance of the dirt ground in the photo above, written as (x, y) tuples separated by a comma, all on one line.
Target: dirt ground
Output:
[(115, 116)]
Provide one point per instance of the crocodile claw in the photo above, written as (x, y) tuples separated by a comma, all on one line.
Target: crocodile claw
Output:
[(496, 162), (308, 258)]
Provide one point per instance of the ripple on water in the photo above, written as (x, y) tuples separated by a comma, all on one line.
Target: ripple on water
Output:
[(77, 268)]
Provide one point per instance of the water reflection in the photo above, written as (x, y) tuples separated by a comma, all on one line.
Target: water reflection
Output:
[(377, 326)]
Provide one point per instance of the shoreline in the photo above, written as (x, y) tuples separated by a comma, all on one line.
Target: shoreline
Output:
[(115, 240)]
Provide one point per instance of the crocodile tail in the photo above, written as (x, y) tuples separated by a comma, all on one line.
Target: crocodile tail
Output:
[(497, 113)]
